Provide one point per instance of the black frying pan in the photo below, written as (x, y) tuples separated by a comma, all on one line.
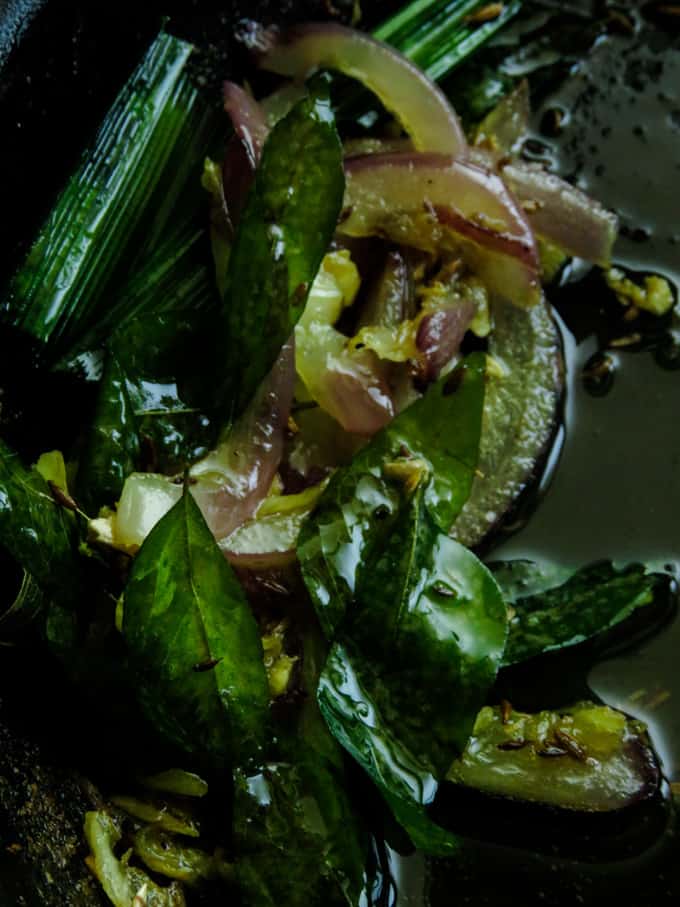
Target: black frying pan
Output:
[(615, 493)]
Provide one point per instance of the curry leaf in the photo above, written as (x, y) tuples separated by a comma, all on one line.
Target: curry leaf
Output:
[(286, 227), (112, 448), (194, 641), (439, 434), (415, 662), (279, 838), (554, 608), (35, 529), (161, 347), (431, 625), (296, 838), (405, 784)]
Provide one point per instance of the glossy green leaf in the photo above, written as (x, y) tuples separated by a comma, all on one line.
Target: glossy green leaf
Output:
[(555, 608), (112, 449), (194, 642), (35, 529), (416, 660), (430, 626), (296, 840), (441, 432), (296, 831), (172, 304), (142, 168), (286, 227), (405, 784)]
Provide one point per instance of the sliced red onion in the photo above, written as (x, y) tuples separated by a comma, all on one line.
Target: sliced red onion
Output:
[(410, 198), (389, 298), (233, 479), (420, 106), (440, 335), (370, 145), (353, 390), (244, 148), (247, 118), (562, 213)]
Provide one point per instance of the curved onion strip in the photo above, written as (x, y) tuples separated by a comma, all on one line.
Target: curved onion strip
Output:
[(563, 213), (247, 118), (419, 105), (390, 297), (266, 543), (243, 151), (350, 385), (354, 391), (413, 198), (440, 335), (233, 479)]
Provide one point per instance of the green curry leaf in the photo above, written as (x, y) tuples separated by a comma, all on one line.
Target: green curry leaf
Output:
[(35, 529), (441, 431), (293, 818), (194, 641), (430, 624), (555, 608), (405, 784), (112, 449), (285, 229), (297, 840), (415, 662)]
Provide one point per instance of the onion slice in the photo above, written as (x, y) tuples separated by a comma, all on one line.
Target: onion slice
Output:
[(422, 199), (440, 334), (354, 391), (243, 151), (420, 106), (248, 119), (232, 480), (563, 213)]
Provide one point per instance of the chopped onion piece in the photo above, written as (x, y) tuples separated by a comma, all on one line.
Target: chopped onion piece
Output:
[(390, 298), (440, 335), (145, 499), (243, 151), (247, 118), (563, 213), (233, 479), (434, 201), (420, 106)]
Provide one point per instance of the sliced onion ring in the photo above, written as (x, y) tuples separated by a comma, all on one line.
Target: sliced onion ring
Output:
[(419, 199), (420, 106)]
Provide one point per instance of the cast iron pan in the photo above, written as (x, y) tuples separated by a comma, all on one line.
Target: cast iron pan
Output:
[(615, 491)]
